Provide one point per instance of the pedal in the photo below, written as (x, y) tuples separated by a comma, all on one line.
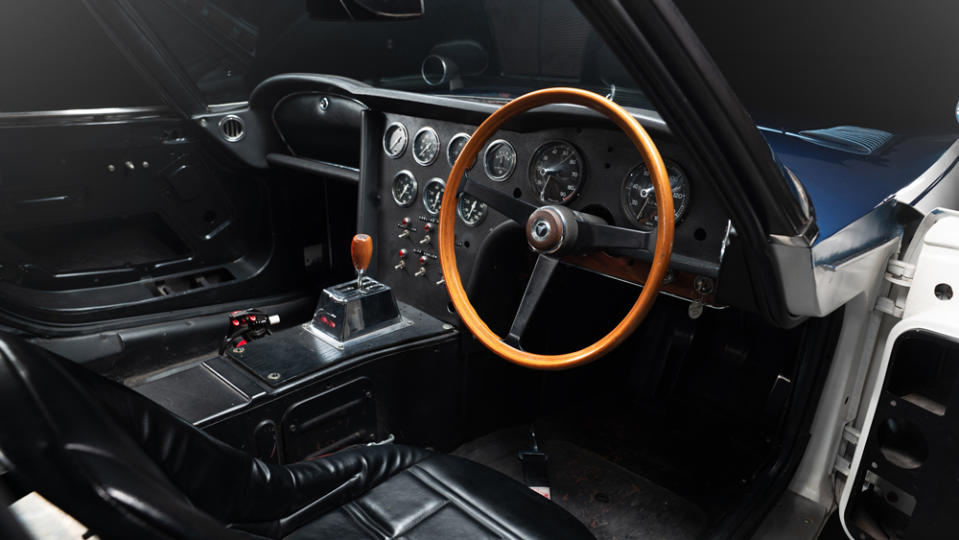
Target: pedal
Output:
[(535, 474)]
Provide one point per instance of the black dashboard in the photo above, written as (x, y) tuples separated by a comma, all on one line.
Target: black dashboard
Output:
[(565, 156)]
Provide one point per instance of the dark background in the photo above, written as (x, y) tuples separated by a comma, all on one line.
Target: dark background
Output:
[(795, 65), (883, 64)]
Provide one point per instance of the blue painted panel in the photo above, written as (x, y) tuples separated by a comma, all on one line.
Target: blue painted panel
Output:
[(845, 186)]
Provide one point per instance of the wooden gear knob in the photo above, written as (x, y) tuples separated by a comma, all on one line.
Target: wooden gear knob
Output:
[(361, 250)]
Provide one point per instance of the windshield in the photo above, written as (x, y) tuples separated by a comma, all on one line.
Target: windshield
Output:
[(490, 48)]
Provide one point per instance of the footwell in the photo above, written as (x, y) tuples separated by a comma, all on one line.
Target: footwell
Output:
[(614, 502)]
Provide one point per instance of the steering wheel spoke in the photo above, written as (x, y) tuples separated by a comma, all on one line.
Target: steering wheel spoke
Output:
[(515, 209), (601, 237), (538, 280)]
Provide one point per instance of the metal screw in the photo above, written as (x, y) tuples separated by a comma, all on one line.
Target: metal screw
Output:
[(145, 164), (324, 103), (203, 122), (447, 327), (129, 165), (111, 167), (368, 394), (274, 376)]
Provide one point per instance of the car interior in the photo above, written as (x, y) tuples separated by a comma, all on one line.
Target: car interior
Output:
[(240, 323)]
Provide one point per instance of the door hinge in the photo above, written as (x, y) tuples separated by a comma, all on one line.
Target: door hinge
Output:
[(899, 274)]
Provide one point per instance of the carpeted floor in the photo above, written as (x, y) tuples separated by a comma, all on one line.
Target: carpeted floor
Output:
[(614, 502)]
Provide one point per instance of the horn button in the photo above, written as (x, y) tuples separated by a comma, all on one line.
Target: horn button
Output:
[(551, 229)]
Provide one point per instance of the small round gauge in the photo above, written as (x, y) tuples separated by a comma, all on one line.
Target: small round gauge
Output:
[(499, 160), (471, 210), (639, 197), (433, 195), (395, 139), (455, 146), (556, 172), (426, 146), (404, 188)]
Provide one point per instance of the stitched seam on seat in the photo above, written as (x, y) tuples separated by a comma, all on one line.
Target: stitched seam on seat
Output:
[(457, 498), (364, 520)]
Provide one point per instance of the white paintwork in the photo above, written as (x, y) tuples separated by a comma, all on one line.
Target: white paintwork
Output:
[(935, 252)]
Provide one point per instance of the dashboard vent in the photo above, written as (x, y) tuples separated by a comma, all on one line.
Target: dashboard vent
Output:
[(853, 139), (232, 128)]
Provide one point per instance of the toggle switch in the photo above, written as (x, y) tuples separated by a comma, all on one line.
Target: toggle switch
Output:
[(404, 234), (426, 239), (421, 272)]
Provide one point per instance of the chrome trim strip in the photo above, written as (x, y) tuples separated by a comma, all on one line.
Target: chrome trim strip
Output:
[(80, 113), (217, 108)]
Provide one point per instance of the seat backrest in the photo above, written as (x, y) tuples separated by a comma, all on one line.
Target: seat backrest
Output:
[(114, 460)]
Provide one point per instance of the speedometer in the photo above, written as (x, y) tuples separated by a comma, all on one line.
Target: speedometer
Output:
[(639, 196), (556, 172)]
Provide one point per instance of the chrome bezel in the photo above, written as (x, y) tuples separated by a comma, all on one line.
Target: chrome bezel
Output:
[(678, 213), (459, 213), (426, 186), (406, 140), (232, 118), (421, 131), (582, 170), (509, 173), (449, 145), (415, 189)]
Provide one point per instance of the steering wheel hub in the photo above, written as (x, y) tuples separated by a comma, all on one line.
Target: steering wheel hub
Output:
[(549, 229)]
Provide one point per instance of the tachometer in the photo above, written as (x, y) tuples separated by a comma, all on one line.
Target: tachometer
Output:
[(404, 188), (556, 172), (426, 146), (394, 140), (499, 160), (639, 197), (433, 195), (455, 146), (471, 210)]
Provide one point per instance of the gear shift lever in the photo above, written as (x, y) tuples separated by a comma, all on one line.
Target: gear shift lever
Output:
[(351, 309), (361, 251)]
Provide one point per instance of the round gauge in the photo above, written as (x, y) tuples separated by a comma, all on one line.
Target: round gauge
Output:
[(639, 197), (395, 139), (426, 146), (433, 195), (455, 146), (404, 188), (556, 172), (499, 160), (471, 210)]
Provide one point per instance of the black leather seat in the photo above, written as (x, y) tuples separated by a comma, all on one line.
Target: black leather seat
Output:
[(127, 468)]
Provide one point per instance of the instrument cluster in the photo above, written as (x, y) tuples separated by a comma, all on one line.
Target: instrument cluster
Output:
[(556, 174)]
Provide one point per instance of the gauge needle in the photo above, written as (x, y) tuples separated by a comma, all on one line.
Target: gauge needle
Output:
[(639, 212), (406, 188), (472, 210), (542, 193)]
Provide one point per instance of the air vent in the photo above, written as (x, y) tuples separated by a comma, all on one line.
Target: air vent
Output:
[(232, 128), (853, 139)]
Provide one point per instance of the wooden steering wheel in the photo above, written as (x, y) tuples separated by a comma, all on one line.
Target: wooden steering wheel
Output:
[(553, 231)]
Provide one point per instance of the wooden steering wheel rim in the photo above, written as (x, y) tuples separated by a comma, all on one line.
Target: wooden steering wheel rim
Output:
[(664, 231)]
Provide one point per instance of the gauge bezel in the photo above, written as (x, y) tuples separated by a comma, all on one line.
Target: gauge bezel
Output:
[(449, 145), (459, 211), (426, 186), (406, 140), (512, 168), (439, 144), (678, 213), (582, 171), (415, 188)]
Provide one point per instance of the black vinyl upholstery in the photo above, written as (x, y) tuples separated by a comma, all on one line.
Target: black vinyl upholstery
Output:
[(127, 468)]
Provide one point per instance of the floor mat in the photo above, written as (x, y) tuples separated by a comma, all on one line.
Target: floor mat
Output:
[(612, 501)]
